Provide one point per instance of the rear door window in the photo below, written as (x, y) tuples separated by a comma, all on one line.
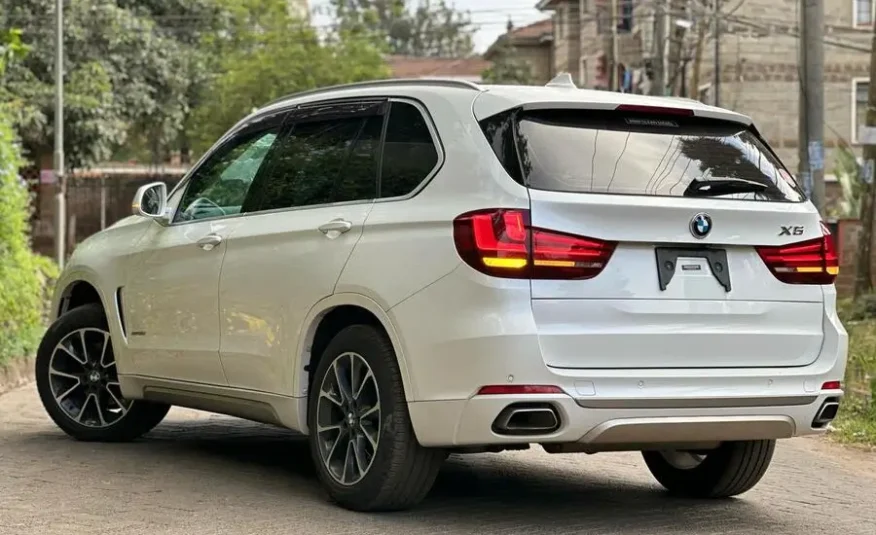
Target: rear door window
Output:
[(594, 151), (409, 154)]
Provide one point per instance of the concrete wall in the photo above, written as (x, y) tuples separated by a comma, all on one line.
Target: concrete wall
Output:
[(759, 71)]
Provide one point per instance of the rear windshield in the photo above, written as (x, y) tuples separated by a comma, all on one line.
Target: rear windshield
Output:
[(591, 151)]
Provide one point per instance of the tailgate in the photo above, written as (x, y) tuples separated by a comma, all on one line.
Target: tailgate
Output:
[(704, 221)]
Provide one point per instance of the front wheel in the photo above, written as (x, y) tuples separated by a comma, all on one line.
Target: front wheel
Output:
[(78, 382), (731, 469), (361, 438)]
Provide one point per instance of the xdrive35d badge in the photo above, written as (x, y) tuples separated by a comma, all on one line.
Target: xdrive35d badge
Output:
[(701, 225)]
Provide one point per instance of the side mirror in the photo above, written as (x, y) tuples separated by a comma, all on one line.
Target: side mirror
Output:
[(150, 200)]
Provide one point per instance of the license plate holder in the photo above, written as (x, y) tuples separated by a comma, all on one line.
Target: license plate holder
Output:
[(667, 260)]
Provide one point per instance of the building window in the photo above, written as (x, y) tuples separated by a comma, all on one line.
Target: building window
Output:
[(863, 12), (860, 89), (583, 75), (625, 16)]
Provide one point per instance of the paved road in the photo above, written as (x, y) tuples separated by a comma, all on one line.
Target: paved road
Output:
[(202, 474)]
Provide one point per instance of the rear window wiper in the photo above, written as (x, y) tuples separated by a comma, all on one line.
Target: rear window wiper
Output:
[(723, 186)]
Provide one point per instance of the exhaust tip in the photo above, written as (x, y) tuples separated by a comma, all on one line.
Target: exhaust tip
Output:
[(826, 413), (521, 419)]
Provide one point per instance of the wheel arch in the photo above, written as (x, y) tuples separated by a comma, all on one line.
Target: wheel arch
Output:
[(77, 291), (325, 319)]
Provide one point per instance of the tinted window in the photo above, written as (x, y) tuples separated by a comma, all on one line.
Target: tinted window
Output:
[(219, 187), (409, 153), (324, 161), (499, 130), (607, 152)]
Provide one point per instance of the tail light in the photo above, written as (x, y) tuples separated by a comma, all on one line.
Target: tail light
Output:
[(501, 242), (808, 262)]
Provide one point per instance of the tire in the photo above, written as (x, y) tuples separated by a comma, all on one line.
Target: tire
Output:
[(105, 417), (401, 472), (730, 470)]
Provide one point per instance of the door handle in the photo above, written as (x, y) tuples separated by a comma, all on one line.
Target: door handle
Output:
[(209, 241), (335, 227)]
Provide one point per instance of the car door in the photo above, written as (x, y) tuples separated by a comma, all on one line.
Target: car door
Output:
[(170, 298), (289, 253)]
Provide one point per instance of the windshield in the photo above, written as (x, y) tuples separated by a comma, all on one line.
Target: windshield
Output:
[(592, 151)]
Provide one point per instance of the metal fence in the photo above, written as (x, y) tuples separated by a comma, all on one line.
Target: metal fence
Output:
[(94, 202)]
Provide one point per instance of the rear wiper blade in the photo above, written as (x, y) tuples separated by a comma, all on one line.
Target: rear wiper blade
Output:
[(724, 186)]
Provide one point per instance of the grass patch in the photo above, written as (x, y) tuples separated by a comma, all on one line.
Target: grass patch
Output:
[(856, 421), (855, 428)]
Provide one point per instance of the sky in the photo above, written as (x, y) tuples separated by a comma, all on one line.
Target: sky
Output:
[(490, 16)]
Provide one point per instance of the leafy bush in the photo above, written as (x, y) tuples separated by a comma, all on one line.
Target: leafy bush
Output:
[(24, 276), (861, 309)]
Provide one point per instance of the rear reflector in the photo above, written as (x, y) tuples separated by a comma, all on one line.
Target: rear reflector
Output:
[(498, 390), (655, 110), (501, 242), (832, 385), (808, 262)]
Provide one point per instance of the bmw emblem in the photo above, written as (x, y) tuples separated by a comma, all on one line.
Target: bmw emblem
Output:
[(701, 225)]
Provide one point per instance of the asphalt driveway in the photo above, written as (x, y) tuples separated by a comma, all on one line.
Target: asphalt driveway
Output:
[(204, 474)]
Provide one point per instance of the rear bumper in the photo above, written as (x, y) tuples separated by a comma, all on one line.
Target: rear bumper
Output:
[(465, 423), (468, 331)]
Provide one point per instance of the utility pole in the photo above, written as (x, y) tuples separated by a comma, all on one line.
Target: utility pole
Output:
[(613, 76), (60, 195), (863, 276), (811, 104), (717, 71), (658, 84)]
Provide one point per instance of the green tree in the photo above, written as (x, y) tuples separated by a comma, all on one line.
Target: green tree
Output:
[(119, 72), (848, 173), (283, 57), (508, 67), (24, 276), (427, 29), (194, 26)]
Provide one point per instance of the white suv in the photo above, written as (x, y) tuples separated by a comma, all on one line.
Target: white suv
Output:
[(407, 269)]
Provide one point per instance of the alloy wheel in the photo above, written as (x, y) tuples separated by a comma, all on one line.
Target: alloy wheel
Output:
[(348, 419), (84, 381)]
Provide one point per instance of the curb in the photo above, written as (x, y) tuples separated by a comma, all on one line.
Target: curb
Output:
[(16, 373)]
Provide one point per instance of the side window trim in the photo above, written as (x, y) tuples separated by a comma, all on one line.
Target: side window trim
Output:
[(221, 144), (436, 142)]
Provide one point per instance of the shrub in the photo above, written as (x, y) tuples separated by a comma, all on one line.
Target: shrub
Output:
[(860, 309), (24, 276)]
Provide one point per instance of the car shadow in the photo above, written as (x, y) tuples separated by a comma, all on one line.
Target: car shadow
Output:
[(489, 493)]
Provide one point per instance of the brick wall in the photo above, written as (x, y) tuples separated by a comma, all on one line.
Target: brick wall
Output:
[(539, 60)]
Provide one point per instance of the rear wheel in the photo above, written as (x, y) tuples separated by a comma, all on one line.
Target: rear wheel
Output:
[(361, 438), (730, 470), (78, 382)]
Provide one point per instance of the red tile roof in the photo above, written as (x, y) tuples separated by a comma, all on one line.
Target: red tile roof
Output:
[(534, 30), (414, 67)]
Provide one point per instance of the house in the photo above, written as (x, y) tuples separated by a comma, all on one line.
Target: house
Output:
[(533, 44), (758, 58), (469, 69)]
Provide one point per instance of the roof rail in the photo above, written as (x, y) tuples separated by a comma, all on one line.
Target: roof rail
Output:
[(445, 82)]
